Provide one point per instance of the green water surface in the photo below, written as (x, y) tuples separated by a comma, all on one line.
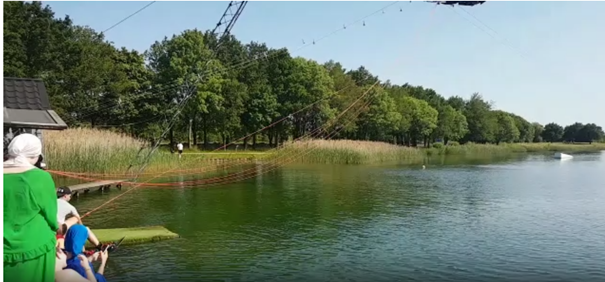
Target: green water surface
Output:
[(524, 218)]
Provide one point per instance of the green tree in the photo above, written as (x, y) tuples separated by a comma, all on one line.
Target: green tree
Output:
[(346, 92), (457, 103), (451, 124), (422, 119), (89, 86), (425, 122), (381, 120), (186, 62), (481, 122), (261, 105), (362, 76), (426, 94), (33, 39), (552, 132), (231, 109), (129, 99), (570, 132), (538, 129), (590, 132), (506, 130), (526, 129), (307, 83)]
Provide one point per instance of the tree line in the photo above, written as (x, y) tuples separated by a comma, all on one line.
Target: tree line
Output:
[(213, 91)]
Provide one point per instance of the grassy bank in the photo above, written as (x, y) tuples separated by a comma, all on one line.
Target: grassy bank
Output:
[(365, 152), (99, 151), (466, 149)]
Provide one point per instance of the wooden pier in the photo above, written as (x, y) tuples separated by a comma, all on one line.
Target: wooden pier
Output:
[(102, 185)]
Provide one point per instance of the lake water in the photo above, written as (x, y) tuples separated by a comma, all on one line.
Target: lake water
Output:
[(528, 218)]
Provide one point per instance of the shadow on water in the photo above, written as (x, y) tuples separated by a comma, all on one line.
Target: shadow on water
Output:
[(521, 218)]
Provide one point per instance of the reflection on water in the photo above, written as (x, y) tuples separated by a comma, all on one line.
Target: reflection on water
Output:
[(527, 218)]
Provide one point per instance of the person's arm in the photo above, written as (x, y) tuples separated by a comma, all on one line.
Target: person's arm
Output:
[(104, 256), (46, 197), (71, 276), (102, 268), (90, 275), (75, 212)]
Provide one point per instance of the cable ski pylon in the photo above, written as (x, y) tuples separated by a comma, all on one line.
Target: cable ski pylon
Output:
[(230, 16)]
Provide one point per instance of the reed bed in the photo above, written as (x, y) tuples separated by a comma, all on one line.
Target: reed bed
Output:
[(366, 152), (350, 152), (508, 148), (98, 151), (556, 147), (102, 151)]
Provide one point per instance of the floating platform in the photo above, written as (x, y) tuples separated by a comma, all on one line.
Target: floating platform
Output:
[(134, 236), (101, 185)]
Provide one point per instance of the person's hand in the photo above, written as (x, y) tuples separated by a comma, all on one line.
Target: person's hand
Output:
[(84, 262), (94, 257), (104, 256), (59, 252)]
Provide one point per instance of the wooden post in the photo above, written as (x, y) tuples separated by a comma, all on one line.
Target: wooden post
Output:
[(190, 132)]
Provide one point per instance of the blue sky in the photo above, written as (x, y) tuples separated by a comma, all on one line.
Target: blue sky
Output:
[(542, 63)]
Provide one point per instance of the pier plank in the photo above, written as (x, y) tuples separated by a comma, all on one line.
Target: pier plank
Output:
[(90, 185)]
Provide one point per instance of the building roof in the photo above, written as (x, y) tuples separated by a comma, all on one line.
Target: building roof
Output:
[(26, 105)]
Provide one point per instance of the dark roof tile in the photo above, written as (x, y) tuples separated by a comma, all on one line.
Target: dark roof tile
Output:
[(25, 94)]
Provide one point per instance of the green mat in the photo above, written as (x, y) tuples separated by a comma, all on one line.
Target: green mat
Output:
[(135, 235)]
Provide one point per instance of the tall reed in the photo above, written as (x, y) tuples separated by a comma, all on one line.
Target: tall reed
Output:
[(102, 151), (349, 152), (92, 150)]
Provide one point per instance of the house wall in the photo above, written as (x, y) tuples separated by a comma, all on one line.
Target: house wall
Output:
[(11, 132)]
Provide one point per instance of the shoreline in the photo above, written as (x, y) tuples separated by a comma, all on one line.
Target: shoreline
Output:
[(361, 152), (304, 152)]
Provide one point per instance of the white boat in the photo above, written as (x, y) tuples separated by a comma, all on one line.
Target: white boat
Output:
[(562, 156)]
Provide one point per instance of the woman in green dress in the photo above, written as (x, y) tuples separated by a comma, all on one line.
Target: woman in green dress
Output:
[(30, 214)]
